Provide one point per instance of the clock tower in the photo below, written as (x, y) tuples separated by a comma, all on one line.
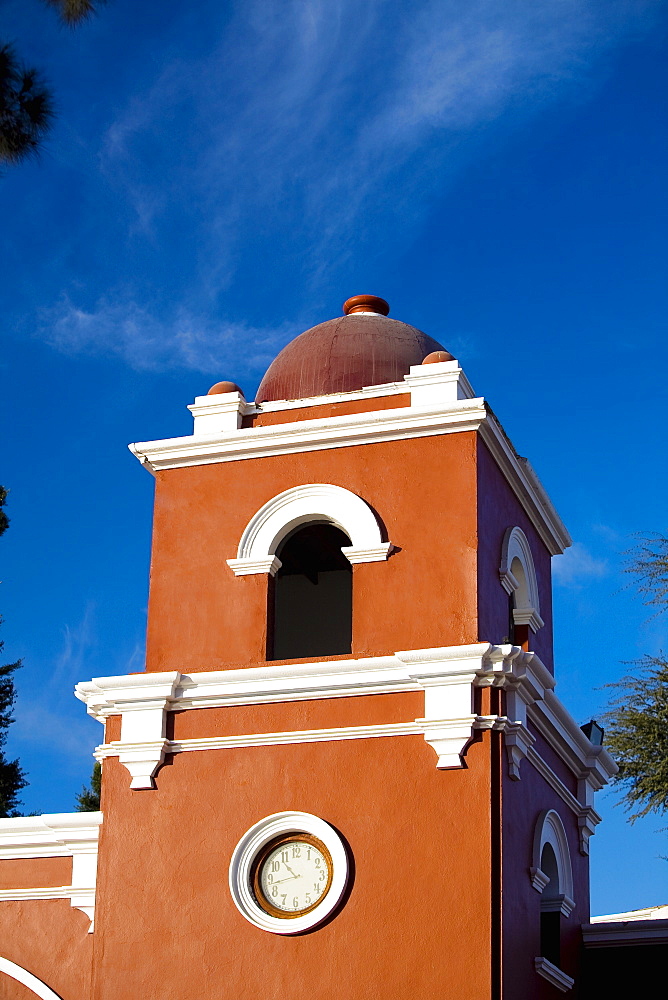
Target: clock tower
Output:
[(345, 771)]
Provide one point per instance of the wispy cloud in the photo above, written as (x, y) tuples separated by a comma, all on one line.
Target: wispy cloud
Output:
[(577, 566), (304, 130), (40, 724), (127, 330), (293, 104)]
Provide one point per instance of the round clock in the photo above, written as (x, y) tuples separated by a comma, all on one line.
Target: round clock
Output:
[(288, 872)]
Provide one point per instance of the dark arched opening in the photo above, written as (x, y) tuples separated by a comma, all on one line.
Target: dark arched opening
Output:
[(550, 913), (311, 608)]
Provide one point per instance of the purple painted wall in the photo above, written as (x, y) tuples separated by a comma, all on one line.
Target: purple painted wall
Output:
[(522, 803), (499, 509)]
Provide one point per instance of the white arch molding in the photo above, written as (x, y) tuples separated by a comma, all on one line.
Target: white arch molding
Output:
[(21, 975), (518, 578), (550, 830), (314, 502)]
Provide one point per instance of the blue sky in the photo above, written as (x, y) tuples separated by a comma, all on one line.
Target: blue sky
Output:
[(221, 177)]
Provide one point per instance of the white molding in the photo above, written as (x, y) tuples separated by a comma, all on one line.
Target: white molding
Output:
[(311, 435), (114, 748), (440, 382), (527, 602), (550, 830), (447, 676), (255, 839), (21, 975), (592, 765), (553, 974), (46, 892), (562, 904), (377, 553), (142, 701), (51, 835), (55, 835), (518, 742), (302, 505), (370, 427), (368, 392), (588, 818), (539, 879), (651, 913), (615, 934), (249, 567), (220, 412)]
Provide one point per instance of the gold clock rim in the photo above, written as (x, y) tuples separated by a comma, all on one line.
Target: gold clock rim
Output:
[(261, 857)]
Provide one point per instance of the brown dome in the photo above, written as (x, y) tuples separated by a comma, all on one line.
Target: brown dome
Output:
[(358, 349)]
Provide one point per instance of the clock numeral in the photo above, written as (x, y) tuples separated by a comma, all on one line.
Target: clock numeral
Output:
[(308, 898), (284, 856), (308, 853), (296, 852), (295, 902), (316, 888), (323, 874), (317, 862), (275, 865), (274, 891), (284, 896), (270, 879)]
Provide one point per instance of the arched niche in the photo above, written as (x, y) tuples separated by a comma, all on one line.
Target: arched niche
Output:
[(518, 578), (301, 505), (550, 849)]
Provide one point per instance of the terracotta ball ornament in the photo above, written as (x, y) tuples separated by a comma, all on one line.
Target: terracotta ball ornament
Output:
[(221, 387), (437, 356)]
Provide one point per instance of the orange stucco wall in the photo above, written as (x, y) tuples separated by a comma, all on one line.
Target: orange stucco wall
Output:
[(25, 873), (50, 939), (417, 921), (291, 716), (202, 617)]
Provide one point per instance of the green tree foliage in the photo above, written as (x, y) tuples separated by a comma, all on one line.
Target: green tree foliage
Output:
[(26, 104), (89, 799), (649, 563), (12, 778), (637, 718), (26, 108), (637, 737)]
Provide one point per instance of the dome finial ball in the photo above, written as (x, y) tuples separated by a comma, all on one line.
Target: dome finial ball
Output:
[(366, 304)]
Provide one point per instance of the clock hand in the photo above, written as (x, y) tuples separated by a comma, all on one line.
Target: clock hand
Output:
[(290, 870), (288, 879)]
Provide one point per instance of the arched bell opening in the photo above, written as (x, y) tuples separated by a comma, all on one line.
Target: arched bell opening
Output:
[(310, 610), (550, 912)]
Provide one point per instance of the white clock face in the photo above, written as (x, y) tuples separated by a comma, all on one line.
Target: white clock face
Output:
[(293, 876)]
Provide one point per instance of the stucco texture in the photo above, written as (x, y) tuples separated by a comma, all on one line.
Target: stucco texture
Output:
[(167, 925), (202, 617)]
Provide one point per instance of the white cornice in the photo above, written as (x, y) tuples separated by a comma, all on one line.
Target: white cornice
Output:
[(48, 836), (446, 675), (366, 428), (310, 435), (55, 835), (615, 934), (554, 975)]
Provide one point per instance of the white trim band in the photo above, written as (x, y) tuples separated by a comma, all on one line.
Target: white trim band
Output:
[(56, 835)]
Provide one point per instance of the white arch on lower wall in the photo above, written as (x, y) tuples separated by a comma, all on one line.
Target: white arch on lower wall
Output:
[(518, 578), (301, 505), (34, 984)]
